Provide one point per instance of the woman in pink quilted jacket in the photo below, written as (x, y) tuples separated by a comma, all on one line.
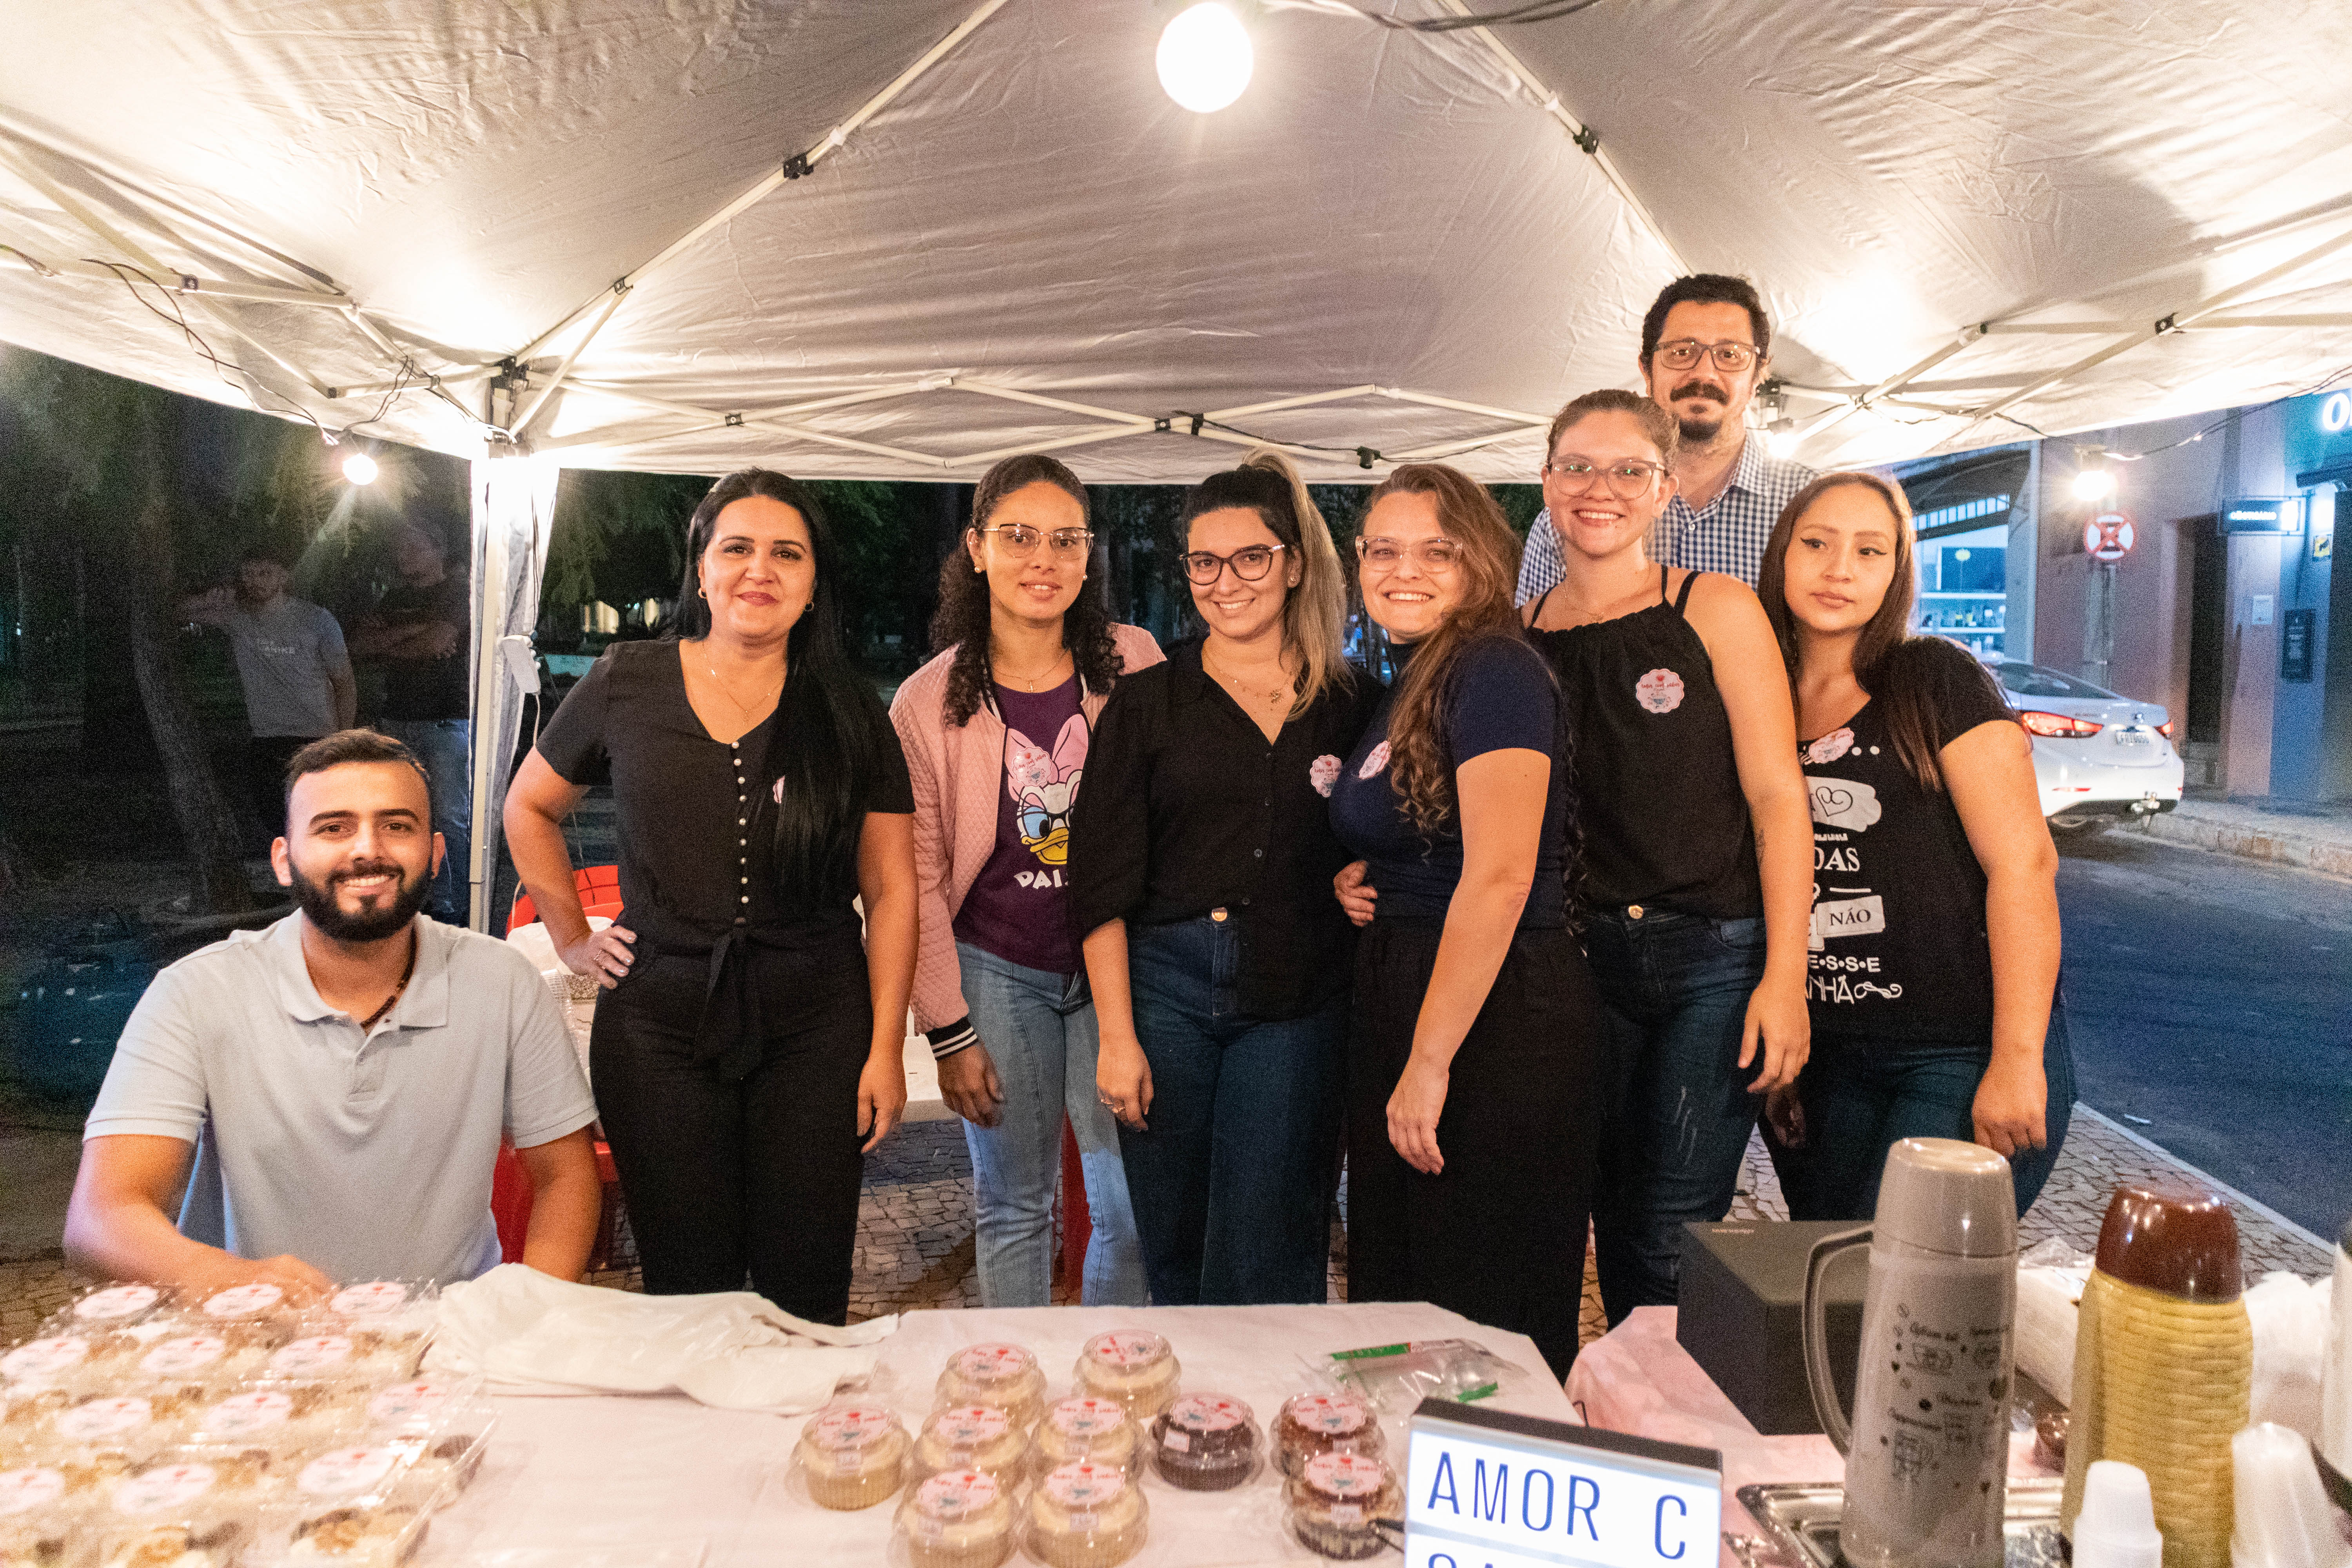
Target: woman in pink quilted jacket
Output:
[(996, 730)]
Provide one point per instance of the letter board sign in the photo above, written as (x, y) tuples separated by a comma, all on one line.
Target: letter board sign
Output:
[(1488, 1489)]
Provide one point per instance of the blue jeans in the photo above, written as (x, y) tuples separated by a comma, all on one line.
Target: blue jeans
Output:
[(446, 747), (1039, 1029), (1232, 1177), (1861, 1096), (1676, 989)]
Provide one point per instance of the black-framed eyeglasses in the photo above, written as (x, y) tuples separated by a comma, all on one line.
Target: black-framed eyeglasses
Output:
[(1731, 355), (1020, 541), (1432, 554), (1250, 563), (1627, 481)]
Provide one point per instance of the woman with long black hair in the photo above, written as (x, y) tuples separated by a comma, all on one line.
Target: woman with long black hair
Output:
[(998, 729), (748, 1049), (1936, 941)]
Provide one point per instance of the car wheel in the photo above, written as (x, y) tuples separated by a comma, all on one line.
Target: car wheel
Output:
[(2078, 826)]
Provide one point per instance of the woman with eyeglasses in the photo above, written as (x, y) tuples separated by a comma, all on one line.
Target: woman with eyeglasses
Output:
[(1471, 1123), (1201, 874), (998, 729), (1935, 989), (1697, 875)]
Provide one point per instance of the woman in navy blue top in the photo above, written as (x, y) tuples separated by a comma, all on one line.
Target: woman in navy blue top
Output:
[(1475, 1065)]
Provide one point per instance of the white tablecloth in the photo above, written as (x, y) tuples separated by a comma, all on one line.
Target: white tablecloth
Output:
[(595, 1483)]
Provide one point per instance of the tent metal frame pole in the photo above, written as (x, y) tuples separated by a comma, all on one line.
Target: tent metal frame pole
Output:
[(801, 163), (182, 283), (1246, 409), (1431, 400), (546, 394), (975, 458)]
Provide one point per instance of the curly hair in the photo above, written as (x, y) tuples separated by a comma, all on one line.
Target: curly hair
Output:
[(962, 621)]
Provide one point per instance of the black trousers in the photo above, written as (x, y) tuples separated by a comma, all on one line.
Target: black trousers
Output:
[(1498, 1236), (265, 757), (758, 1175)]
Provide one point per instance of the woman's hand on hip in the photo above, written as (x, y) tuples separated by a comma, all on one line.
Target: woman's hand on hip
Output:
[(968, 1082), (1355, 895), (1123, 1078), (1414, 1106), (2012, 1107), (603, 956), (1779, 1029), (881, 1095)]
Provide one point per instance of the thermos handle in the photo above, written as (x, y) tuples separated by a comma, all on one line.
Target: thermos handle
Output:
[(1816, 1336)]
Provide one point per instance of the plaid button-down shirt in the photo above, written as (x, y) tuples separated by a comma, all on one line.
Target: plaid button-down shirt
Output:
[(1728, 535)]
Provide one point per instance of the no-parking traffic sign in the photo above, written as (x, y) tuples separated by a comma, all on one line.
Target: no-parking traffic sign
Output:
[(2108, 536)]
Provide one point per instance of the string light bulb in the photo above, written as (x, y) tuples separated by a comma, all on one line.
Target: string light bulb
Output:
[(1205, 57), (2092, 481), (360, 468)]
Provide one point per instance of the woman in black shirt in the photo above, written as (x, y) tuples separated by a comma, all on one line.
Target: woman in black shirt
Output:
[(1201, 874), (1934, 968), (749, 1047)]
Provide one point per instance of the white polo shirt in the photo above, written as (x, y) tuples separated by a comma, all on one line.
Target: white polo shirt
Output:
[(368, 1157)]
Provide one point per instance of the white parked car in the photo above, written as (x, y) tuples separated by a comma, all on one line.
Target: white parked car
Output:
[(2098, 758)]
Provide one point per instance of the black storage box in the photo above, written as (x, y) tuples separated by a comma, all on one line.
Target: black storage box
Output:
[(1742, 1314)]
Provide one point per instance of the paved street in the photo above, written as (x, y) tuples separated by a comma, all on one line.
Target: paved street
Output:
[(2210, 1001)]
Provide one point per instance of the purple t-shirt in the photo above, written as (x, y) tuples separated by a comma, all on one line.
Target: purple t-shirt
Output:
[(1018, 908)]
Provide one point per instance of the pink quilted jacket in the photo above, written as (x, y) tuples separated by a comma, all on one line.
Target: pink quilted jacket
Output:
[(957, 771)]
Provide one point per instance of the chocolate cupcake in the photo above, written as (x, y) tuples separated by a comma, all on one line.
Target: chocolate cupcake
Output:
[(1205, 1443), (1312, 1424), (1335, 1502)]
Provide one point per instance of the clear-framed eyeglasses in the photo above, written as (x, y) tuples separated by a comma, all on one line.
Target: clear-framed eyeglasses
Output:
[(1020, 541), (1628, 480), (1431, 554), (1731, 356), (1251, 562)]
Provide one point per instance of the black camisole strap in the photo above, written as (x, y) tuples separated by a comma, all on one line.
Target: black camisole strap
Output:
[(1537, 614), (1682, 598)]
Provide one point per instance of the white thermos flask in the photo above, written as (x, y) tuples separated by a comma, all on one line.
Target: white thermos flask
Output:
[(1926, 1456)]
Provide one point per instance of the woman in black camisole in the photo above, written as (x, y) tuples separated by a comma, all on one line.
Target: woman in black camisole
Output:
[(1696, 878)]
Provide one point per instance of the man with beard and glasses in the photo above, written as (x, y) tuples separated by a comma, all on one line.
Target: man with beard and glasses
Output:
[(1706, 345), (340, 1080)]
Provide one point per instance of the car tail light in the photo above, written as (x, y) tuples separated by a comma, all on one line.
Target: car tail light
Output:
[(2165, 729), (2058, 726)]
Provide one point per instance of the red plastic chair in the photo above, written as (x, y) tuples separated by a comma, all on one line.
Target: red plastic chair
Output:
[(510, 1194)]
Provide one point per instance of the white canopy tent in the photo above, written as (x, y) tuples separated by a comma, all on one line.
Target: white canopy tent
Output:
[(897, 238)]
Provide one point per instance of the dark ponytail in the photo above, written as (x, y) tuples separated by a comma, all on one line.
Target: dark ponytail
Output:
[(826, 745)]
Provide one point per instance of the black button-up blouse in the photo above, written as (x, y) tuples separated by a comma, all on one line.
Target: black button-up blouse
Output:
[(1187, 808)]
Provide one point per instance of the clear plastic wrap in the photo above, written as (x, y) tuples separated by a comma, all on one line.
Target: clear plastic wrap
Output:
[(1392, 1379), (1084, 1515), (957, 1519), (970, 1437), (389, 1323), (1205, 1443), (852, 1455), (284, 1418), (1085, 1427), (1004, 1376), (1336, 1504), (1133, 1366), (37, 1525), (356, 1507), (1323, 1423), (47, 1361), (189, 1509), (112, 1306), (101, 1424), (254, 1303)]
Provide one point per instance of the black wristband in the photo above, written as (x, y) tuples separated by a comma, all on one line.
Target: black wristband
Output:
[(949, 1038)]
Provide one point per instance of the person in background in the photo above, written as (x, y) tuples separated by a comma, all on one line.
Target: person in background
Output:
[(417, 631), (1707, 344), (339, 1081), (292, 666), (1697, 867), (1201, 867), (1936, 938), (1474, 1077), (998, 729), (750, 1047)]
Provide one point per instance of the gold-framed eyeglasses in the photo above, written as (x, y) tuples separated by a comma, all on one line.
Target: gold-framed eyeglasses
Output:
[(1432, 555), (1731, 356), (1628, 480), (1020, 541), (1250, 563)]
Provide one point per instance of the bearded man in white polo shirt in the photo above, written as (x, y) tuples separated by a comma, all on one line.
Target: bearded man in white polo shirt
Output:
[(340, 1079)]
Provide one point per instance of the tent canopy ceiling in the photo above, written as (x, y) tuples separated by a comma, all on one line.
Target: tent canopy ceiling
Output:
[(1007, 237)]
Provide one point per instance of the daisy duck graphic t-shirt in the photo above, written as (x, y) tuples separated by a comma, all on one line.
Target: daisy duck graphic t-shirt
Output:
[(1017, 908), (1898, 949)]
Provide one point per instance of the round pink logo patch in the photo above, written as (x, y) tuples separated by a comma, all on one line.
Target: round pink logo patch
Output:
[(1660, 691), (1830, 747), (1374, 760), (1323, 773)]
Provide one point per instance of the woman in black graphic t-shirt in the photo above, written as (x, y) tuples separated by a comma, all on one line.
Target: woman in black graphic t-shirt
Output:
[(1933, 968)]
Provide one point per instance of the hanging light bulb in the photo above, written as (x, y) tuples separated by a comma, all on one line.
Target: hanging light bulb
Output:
[(1205, 57), (360, 468), (1780, 436), (2092, 481)]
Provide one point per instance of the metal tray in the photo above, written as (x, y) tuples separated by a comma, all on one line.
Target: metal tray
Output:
[(1799, 1520)]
